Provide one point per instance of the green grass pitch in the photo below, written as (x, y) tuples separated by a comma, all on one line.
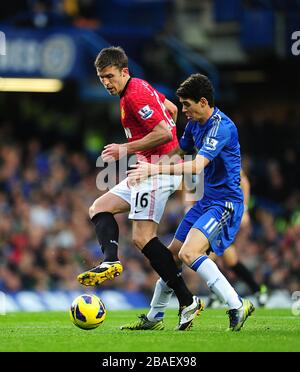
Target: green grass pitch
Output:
[(265, 330)]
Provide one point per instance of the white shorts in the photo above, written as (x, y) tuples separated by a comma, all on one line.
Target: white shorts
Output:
[(148, 199)]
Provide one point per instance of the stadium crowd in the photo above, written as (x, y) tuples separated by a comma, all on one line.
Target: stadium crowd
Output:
[(46, 238)]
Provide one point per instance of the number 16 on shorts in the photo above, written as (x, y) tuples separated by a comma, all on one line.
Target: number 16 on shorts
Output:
[(141, 202)]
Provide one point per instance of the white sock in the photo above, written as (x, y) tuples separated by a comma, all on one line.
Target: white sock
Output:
[(216, 281), (160, 300)]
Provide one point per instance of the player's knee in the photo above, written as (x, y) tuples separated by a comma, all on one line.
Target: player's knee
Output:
[(92, 211), (185, 256), (96, 208)]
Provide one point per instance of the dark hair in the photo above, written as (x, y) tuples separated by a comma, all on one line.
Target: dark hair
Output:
[(195, 87), (112, 56)]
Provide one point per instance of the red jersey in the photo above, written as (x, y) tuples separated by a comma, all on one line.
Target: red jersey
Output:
[(142, 108)]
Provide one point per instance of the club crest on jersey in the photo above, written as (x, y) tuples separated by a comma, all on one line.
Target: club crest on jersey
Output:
[(146, 112)]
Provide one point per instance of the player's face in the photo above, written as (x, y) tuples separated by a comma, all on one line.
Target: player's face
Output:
[(113, 79), (194, 110)]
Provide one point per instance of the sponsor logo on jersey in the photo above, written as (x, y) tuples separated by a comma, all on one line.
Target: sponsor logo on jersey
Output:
[(146, 112)]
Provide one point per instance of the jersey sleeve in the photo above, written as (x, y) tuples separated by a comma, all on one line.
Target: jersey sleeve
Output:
[(186, 142), (161, 96), (147, 109), (214, 142)]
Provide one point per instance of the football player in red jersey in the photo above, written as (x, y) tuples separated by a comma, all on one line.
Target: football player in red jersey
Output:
[(148, 119)]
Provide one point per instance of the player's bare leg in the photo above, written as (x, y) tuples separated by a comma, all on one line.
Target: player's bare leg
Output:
[(101, 214)]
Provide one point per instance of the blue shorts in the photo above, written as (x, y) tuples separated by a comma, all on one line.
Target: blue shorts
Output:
[(219, 221)]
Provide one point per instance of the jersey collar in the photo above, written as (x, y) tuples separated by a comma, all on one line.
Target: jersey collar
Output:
[(124, 90), (211, 118)]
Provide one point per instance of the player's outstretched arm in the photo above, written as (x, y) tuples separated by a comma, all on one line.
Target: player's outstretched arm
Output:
[(143, 170), (177, 151)]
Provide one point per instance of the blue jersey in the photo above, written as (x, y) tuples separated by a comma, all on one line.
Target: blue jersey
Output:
[(217, 140)]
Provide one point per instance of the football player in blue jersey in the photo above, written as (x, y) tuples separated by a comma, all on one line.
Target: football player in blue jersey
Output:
[(214, 220)]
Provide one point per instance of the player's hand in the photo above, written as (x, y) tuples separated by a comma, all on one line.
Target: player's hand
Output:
[(113, 152), (140, 172)]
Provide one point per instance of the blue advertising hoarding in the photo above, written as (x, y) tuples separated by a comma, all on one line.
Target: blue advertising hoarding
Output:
[(58, 53)]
